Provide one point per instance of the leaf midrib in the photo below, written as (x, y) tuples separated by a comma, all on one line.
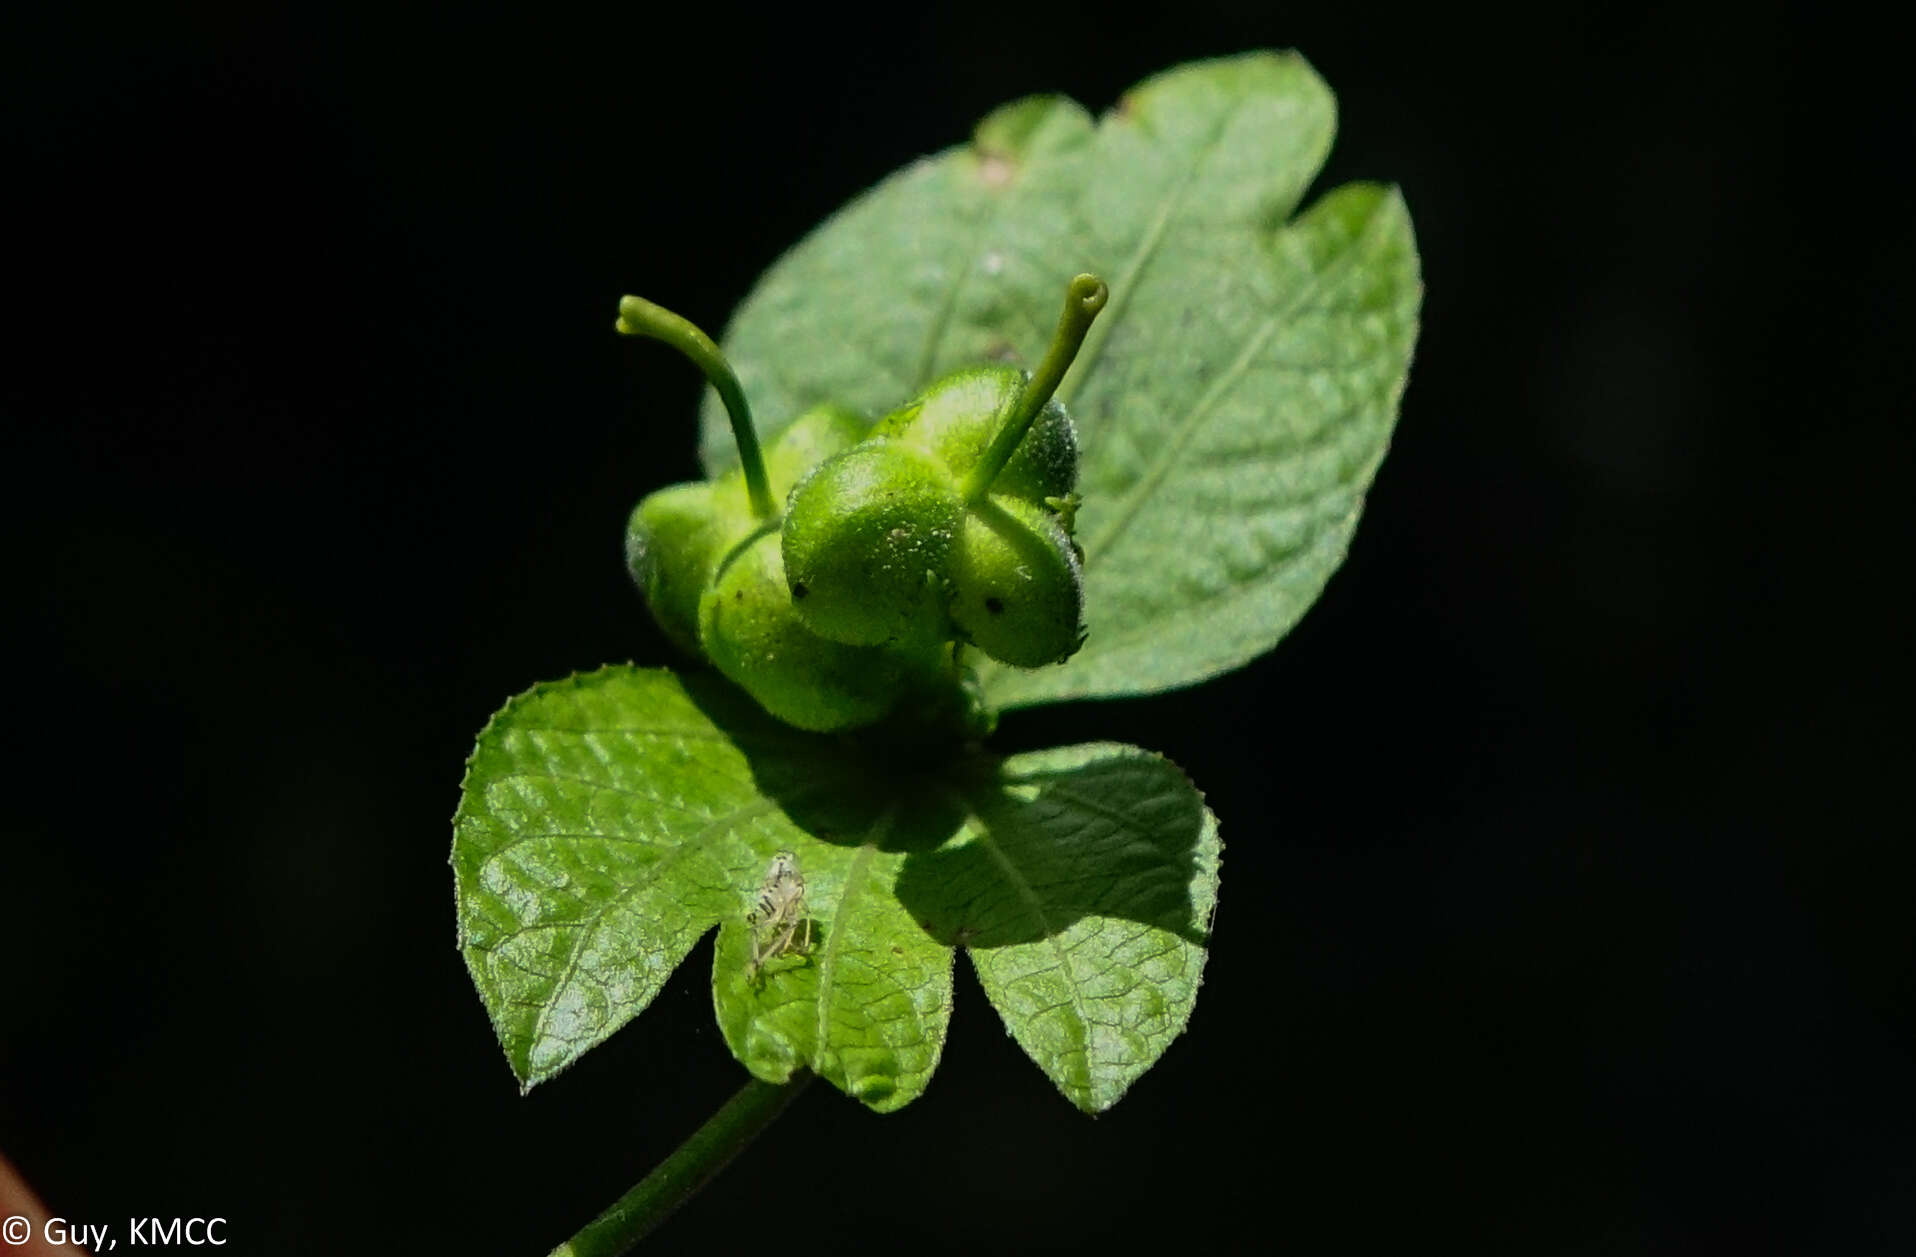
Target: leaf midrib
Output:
[(1126, 281), (645, 881), (853, 885), (1022, 886)]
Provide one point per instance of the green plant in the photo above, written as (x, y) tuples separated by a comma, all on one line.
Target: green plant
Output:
[(1182, 491)]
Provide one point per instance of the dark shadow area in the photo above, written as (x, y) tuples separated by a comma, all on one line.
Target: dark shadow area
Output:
[(841, 788), (1037, 865), (1093, 840)]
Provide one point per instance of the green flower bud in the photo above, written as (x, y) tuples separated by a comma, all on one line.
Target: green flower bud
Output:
[(752, 635), (865, 541), (1017, 591)]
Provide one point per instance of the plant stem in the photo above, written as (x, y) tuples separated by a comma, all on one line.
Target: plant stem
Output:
[(639, 317), (1083, 298), (678, 1178)]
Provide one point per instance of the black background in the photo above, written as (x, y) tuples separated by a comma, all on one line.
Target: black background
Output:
[(1567, 890)]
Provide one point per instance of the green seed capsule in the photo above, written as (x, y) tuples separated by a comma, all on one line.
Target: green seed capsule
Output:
[(677, 534), (866, 538), (752, 635), (806, 442), (955, 418), (1017, 591), (953, 519), (671, 543)]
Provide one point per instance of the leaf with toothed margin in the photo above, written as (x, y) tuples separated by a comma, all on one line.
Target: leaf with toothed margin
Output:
[(1082, 882), (866, 1006), (606, 823), (609, 820), (1233, 402)]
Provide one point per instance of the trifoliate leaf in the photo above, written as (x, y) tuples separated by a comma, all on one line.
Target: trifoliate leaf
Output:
[(609, 820)]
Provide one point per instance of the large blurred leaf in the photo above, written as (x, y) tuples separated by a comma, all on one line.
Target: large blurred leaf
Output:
[(1234, 400), (610, 820)]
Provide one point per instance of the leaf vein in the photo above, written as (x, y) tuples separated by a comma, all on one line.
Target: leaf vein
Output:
[(625, 895), (1172, 446), (849, 891), (1127, 278), (1025, 891)]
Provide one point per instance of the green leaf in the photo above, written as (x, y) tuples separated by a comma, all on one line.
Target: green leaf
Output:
[(609, 820), (1233, 402), (1082, 883), (867, 1007)]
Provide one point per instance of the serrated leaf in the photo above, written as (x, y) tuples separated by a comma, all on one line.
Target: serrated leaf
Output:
[(1233, 402), (1082, 883), (868, 1005), (608, 821)]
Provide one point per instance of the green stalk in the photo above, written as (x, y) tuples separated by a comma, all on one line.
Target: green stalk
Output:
[(1083, 298), (639, 317), (678, 1178)]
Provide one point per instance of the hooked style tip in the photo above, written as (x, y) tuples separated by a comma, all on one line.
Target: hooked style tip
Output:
[(1090, 293), (636, 315)]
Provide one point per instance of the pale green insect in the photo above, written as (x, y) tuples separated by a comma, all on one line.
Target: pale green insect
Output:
[(779, 917)]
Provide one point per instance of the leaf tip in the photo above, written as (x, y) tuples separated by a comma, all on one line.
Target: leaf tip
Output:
[(877, 1092), (1007, 137)]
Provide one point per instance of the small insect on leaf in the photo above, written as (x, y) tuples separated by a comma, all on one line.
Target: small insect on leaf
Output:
[(778, 920)]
